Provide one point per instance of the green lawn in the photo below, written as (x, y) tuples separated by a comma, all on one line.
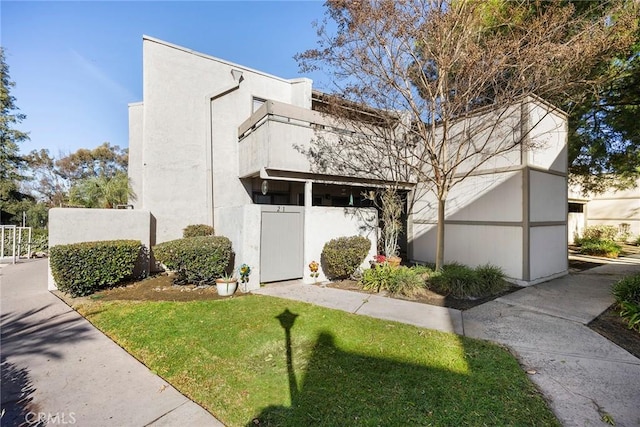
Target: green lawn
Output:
[(233, 357)]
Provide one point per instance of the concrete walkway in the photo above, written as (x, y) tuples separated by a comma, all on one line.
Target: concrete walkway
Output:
[(58, 368), (585, 377)]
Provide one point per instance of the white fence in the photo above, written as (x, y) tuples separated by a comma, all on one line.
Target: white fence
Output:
[(15, 242)]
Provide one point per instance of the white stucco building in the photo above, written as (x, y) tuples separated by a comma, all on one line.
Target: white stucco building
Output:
[(210, 136), (618, 208), (218, 143)]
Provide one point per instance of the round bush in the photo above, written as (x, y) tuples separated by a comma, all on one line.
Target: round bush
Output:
[(341, 257), (196, 259), (198, 230)]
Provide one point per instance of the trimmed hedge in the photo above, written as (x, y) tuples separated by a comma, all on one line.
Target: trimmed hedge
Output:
[(83, 268), (196, 259), (198, 230), (341, 257)]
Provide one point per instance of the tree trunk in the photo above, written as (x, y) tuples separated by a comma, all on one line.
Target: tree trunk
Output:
[(440, 235)]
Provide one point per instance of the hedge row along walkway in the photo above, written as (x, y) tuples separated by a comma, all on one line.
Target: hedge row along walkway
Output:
[(58, 368)]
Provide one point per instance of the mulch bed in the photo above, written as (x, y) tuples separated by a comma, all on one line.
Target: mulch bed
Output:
[(426, 296), (160, 287), (611, 326)]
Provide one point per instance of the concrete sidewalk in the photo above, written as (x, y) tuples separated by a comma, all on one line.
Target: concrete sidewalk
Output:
[(58, 368), (585, 377)]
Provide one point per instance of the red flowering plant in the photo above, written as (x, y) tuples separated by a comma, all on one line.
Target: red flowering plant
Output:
[(380, 259)]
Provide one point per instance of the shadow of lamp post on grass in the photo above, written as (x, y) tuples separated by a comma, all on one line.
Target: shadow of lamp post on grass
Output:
[(287, 319)]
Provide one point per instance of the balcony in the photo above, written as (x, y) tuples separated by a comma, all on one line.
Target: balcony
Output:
[(276, 140)]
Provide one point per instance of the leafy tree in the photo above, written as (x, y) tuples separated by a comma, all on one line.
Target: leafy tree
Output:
[(604, 130), (106, 160), (11, 163), (54, 178), (102, 191), (47, 184), (426, 67)]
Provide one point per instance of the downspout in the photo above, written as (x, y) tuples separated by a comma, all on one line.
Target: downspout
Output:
[(237, 78)]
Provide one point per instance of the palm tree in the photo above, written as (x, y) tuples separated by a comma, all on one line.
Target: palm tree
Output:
[(102, 191)]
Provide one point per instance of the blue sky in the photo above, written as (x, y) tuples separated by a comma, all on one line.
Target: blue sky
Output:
[(77, 65)]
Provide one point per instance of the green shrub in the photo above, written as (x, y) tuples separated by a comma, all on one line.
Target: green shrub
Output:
[(627, 295), (600, 232), (491, 279), (464, 282), (84, 268), (341, 257), (196, 259), (39, 240), (376, 278), (598, 247), (396, 280), (198, 230)]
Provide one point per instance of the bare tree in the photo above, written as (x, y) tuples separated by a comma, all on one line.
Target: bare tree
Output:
[(441, 81)]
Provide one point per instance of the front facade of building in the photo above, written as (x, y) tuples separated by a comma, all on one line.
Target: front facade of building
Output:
[(217, 143)]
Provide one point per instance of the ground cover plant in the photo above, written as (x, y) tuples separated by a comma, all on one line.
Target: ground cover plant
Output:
[(260, 360), (599, 240), (455, 280), (627, 294), (598, 247)]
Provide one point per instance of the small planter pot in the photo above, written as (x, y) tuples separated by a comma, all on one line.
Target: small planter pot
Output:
[(225, 288)]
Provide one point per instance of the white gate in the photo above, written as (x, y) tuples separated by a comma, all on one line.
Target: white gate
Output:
[(281, 243)]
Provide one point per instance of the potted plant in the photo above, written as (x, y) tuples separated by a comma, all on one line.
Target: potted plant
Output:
[(226, 285)]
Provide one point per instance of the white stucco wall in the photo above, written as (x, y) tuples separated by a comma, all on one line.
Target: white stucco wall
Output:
[(325, 223), (136, 150), (68, 225), (192, 109), (548, 197), (491, 213), (549, 246), (241, 224), (615, 208), (473, 245), (548, 135)]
